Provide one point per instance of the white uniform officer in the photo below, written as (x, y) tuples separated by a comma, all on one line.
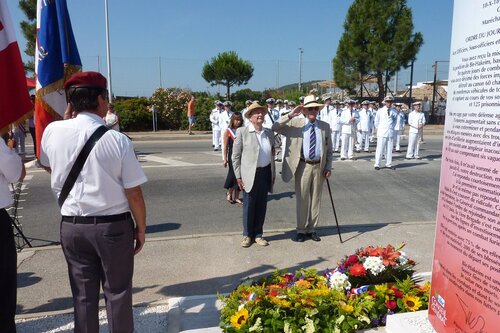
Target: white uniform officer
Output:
[(384, 122), (349, 119), (244, 111), (364, 127), (398, 127), (224, 118), (416, 121), (214, 119), (273, 114)]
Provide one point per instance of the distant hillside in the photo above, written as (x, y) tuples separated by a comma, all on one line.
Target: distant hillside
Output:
[(306, 86)]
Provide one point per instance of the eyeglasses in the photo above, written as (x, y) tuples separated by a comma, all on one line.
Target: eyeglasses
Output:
[(312, 109)]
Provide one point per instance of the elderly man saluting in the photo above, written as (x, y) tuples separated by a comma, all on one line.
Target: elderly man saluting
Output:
[(308, 157), (97, 229)]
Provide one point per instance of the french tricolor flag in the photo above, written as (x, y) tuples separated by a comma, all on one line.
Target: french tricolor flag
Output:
[(14, 97), (56, 60)]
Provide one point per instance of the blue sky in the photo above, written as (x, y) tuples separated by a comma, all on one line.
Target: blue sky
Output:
[(179, 36)]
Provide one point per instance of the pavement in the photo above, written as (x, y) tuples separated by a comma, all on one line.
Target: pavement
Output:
[(177, 279)]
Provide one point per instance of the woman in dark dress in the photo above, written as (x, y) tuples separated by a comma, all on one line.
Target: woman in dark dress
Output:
[(231, 185)]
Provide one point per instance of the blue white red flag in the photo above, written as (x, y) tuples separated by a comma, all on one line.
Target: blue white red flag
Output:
[(14, 98), (56, 59)]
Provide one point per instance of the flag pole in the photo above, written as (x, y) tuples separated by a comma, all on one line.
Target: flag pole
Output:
[(108, 53)]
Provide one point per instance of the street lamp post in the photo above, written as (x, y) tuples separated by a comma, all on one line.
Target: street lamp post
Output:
[(108, 52), (300, 68), (411, 83), (434, 85)]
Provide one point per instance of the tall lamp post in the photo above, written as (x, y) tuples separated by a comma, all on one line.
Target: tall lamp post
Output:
[(108, 55), (411, 84), (300, 68), (434, 85)]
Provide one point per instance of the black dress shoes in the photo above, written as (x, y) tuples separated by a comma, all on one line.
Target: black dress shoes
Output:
[(300, 238), (314, 236)]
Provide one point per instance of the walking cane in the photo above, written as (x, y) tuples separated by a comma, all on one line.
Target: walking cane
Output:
[(333, 206)]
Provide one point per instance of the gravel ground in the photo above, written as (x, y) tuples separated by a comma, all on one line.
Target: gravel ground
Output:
[(151, 319)]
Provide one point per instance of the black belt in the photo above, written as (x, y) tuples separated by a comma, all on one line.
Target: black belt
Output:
[(310, 162), (262, 168), (97, 219)]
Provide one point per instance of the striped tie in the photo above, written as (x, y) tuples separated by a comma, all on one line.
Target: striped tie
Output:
[(312, 143)]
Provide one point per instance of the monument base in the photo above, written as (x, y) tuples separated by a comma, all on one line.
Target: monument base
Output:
[(409, 322)]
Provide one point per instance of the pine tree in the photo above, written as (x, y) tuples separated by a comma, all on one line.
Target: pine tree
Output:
[(378, 40), (227, 69), (28, 28)]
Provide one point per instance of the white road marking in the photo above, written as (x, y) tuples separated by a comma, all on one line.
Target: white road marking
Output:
[(173, 166), (163, 160)]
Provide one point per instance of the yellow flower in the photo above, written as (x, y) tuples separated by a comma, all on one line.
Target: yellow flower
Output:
[(411, 303), (425, 287), (281, 302), (381, 288), (347, 308), (239, 318)]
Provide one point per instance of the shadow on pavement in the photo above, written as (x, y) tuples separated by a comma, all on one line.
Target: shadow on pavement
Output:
[(279, 196), (225, 284), (150, 229), (27, 279), (403, 165)]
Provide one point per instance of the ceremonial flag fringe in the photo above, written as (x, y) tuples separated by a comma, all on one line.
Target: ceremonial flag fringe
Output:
[(14, 97), (56, 59)]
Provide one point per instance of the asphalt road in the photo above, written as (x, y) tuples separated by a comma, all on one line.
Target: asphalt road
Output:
[(185, 195)]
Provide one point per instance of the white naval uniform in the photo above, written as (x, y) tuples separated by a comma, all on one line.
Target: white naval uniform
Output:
[(364, 128), (10, 172), (348, 132), (331, 116), (216, 135), (398, 129), (224, 119), (415, 120), (373, 112), (384, 122)]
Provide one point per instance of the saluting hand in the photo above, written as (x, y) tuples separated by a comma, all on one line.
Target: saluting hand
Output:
[(296, 111)]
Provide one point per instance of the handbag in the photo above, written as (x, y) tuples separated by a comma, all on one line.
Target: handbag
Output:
[(80, 161)]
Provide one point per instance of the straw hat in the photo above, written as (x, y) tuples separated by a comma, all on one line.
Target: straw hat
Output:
[(310, 102), (253, 107)]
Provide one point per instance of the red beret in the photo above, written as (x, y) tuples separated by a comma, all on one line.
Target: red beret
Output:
[(86, 79)]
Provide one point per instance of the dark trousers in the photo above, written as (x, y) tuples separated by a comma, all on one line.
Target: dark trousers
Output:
[(95, 254), (255, 203), (8, 274), (33, 136)]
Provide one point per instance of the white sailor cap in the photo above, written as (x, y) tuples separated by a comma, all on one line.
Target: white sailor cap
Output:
[(270, 101)]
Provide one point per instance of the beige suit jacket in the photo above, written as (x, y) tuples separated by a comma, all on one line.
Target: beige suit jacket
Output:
[(292, 129), (246, 153)]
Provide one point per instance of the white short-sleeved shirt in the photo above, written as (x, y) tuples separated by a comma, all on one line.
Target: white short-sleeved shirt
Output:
[(111, 166), (10, 170)]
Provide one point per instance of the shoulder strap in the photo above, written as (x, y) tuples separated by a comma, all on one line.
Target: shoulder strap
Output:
[(80, 161)]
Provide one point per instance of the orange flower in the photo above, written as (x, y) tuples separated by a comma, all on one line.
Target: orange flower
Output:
[(303, 284)]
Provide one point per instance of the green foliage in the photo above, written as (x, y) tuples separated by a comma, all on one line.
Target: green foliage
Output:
[(134, 114), (241, 96), (227, 69), (28, 29), (171, 104), (378, 38)]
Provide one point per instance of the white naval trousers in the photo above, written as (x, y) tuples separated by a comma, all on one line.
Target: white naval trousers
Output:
[(363, 138), (413, 145), (384, 146), (336, 140), (216, 138), (347, 148), (397, 139)]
